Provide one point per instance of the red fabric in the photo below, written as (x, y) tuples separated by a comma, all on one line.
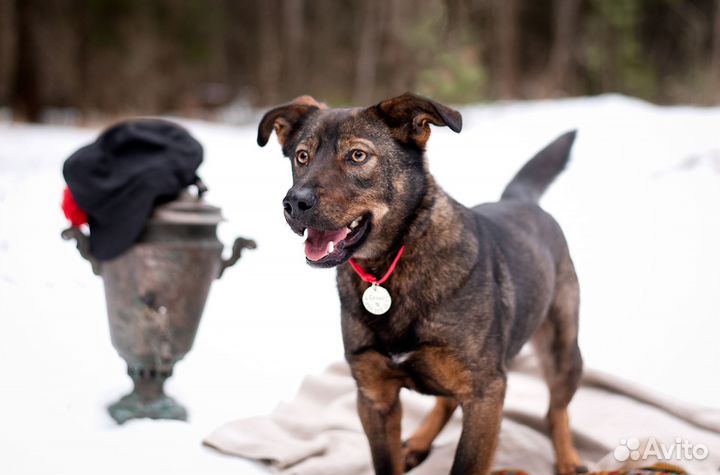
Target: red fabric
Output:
[(371, 278), (73, 213)]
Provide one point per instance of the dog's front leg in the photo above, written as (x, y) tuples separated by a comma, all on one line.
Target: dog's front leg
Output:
[(381, 421), (378, 403), (482, 416)]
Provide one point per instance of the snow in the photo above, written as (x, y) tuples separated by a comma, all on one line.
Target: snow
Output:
[(638, 203)]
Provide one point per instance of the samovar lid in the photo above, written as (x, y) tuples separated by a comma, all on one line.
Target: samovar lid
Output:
[(188, 208)]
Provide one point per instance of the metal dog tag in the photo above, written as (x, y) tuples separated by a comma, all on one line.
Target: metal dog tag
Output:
[(376, 300)]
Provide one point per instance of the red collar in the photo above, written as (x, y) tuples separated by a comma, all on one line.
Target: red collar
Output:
[(369, 278)]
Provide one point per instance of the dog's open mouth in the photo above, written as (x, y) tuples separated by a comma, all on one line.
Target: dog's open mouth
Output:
[(330, 248)]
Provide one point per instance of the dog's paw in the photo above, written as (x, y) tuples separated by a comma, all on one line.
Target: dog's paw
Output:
[(570, 469), (412, 455)]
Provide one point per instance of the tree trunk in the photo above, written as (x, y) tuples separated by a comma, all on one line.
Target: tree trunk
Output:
[(399, 60), (270, 54), (507, 47), (294, 31), (371, 15), (560, 75), (25, 95), (715, 58)]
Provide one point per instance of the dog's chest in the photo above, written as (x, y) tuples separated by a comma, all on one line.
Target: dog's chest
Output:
[(430, 372), (399, 358), (410, 364)]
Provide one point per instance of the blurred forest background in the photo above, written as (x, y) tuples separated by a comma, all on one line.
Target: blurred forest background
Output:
[(197, 57)]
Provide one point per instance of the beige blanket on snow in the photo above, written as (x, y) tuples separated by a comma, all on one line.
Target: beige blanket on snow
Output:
[(319, 432)]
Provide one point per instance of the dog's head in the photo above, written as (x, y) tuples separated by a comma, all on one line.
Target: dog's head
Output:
[(358, 174)]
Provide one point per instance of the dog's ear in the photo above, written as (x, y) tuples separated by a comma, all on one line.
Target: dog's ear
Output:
[(409, 116), (285, 118)]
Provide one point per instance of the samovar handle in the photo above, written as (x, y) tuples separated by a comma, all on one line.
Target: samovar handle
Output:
[(83, 246), (238, 246)]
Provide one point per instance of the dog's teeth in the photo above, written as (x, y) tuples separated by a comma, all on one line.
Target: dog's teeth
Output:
[(305, 233), (330, 247), (355, 224)]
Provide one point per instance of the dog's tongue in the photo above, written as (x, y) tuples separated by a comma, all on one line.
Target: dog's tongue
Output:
[(317, 244)]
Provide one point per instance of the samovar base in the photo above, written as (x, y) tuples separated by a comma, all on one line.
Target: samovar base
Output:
[(147, 399)]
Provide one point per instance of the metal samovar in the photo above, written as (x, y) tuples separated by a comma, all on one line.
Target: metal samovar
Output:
[(155, 294)]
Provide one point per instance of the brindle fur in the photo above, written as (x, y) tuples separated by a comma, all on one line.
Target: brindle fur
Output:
[(472, 287)]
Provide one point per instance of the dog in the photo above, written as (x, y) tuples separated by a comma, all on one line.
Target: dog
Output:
[(465, 288)]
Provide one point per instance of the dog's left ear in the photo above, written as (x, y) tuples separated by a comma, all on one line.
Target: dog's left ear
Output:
[(286, 118), (409, 116)]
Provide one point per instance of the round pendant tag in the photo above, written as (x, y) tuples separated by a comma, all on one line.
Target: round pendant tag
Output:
[(376, 300)]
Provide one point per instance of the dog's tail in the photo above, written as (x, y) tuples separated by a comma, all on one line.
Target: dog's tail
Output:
[(533, 179)]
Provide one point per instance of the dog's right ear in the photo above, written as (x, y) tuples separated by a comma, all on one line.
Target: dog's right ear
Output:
[(284, 119)]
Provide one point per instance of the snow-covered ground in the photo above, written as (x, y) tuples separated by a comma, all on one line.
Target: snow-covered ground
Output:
[(639, 204)]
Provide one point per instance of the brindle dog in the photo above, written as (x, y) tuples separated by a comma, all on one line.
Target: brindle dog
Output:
[(473, 284)]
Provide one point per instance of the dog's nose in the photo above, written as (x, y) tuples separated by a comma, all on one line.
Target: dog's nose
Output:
[(297, 202)]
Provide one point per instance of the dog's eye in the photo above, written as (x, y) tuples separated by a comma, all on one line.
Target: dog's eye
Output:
[(302, 157), (358, 156)]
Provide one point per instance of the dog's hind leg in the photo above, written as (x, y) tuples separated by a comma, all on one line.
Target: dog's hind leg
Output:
[(557, 348), (417, 447)]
